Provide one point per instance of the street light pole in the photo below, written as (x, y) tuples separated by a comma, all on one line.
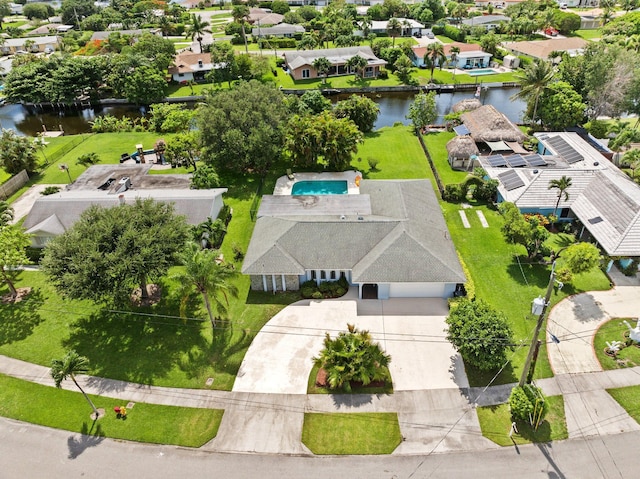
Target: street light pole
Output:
[(534, 339)]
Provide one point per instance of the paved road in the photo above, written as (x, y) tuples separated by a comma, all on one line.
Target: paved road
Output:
[(29, 451)]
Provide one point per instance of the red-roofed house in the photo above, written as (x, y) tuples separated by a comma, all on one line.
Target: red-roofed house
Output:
[(470, 56)]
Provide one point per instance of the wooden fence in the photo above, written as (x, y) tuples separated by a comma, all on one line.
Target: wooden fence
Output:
[(13, 184)]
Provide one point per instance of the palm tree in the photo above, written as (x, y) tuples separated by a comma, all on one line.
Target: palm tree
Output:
[(394, 28), (207, 275), (240, 13), (68, 367), (454, 51), (533, 82), (562, 185), (357, 63), (197, 29), (435, 53), (6, 213), (352, 356), (322, 65)]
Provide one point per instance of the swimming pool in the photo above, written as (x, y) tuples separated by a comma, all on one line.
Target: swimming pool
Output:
[(485, 71), (319, 187)]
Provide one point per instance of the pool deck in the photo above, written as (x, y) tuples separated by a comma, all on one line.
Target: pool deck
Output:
[(284, 184)]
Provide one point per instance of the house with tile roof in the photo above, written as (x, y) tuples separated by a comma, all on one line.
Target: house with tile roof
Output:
[(390, 240), (543, 48), (112, 185), (601, 197), (299, 63), (470, 55)]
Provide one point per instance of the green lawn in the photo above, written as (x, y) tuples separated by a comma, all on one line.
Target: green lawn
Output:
[(589, 34), (495, 422), (4, 176), (354, 433), (70, 411), (398, 152), (437, 146), (629, 399), (611, 331), (508, 285)]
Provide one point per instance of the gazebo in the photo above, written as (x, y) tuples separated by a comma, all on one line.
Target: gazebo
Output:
[(486, 124), (462, 151), (467, 104)]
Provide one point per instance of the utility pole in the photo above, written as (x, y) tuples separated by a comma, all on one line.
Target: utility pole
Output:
[(534, 339)]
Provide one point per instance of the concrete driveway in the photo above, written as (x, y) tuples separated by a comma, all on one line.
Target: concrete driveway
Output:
[(279, 360)]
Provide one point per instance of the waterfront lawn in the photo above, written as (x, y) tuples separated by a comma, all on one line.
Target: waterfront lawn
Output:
[(69, 410), (351, 433), (629, 399), (397, 151), (495, 422), (610, 331), (505, 279), (437, 145)]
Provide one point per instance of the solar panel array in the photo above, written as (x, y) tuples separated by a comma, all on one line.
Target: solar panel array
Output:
[(511, 180), (515, 161), (461, 130), (562, 148)]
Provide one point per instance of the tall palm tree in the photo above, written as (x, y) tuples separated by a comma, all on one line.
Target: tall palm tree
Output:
[(240, 13), (562, 185), (534, 80), (435, 53), (197, 29), (394, 28), (322, 65), (357, 63), (209, 277), (454, 51), (68, 367)]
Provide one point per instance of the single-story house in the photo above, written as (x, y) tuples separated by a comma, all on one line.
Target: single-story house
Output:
[(112, 185), (15, 9), (409, 27), (188, 66), (390, 240), (470, 56), (490, 22), (43, 44), (601, 197), (589, 21), (299, 63), (543, 48), (282, 30), (50, 28), (264, 17)]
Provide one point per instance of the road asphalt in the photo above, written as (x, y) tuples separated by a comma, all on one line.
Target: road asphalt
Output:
[(434, 417)]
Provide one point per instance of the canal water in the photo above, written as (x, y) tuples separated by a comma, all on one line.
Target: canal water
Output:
[(393, 108)]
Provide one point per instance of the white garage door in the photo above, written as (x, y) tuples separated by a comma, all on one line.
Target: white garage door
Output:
[(416, 290)]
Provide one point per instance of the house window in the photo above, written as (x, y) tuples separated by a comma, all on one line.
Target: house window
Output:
[(368, 72), (313, 274), (181, 74), (333, 275), (306, 73), (323, 275)]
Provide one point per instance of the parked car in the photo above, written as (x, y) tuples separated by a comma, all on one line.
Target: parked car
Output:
[(430, 35), (417, 35)]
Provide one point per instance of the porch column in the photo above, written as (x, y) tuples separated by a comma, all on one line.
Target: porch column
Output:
[(273, 283), (360, 291), (317, 277), (284, 284), (264, 283)]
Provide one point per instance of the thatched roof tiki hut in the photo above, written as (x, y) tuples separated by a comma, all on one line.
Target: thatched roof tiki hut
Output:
[(462, 151), (486, 124), (467, 104)]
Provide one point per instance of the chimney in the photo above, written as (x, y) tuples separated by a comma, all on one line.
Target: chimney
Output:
[(121, 199)]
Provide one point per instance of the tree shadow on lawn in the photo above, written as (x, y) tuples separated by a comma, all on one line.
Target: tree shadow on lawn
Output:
[(241, 186), (528, 274), (131, 345), (20, 319), (478, 378)]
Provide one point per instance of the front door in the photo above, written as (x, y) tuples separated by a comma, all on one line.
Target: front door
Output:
[(370, 291)]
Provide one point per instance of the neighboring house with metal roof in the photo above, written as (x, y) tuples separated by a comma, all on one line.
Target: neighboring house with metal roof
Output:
[(112, 185), (488, 21), (543, 48), (188, 66), (282, 30), (409, 26), (104, 35), (601, 197), (390, 240), (299, 63)]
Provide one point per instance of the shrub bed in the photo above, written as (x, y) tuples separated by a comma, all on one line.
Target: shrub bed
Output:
[(325, 290)]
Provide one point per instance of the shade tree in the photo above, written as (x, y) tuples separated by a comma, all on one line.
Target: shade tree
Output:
[(13, 244), (17, 153), (361, 110), (423, 111)]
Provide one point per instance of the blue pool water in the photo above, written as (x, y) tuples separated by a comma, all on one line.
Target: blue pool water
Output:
[(486, 71), (320, 187)]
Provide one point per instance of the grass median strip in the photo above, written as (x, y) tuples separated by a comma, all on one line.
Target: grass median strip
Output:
[(354, 433), (629, 399), (68, 410)]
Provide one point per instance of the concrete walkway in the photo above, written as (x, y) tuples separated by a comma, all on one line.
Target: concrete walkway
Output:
[(22, 206)]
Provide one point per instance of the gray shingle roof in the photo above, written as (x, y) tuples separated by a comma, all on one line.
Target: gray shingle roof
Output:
[(404, 239)]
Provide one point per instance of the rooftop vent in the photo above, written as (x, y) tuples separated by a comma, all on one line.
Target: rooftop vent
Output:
[(124, 184), (343, 217), (360, 218), (596, 220), (535, 172), (596, 163)]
